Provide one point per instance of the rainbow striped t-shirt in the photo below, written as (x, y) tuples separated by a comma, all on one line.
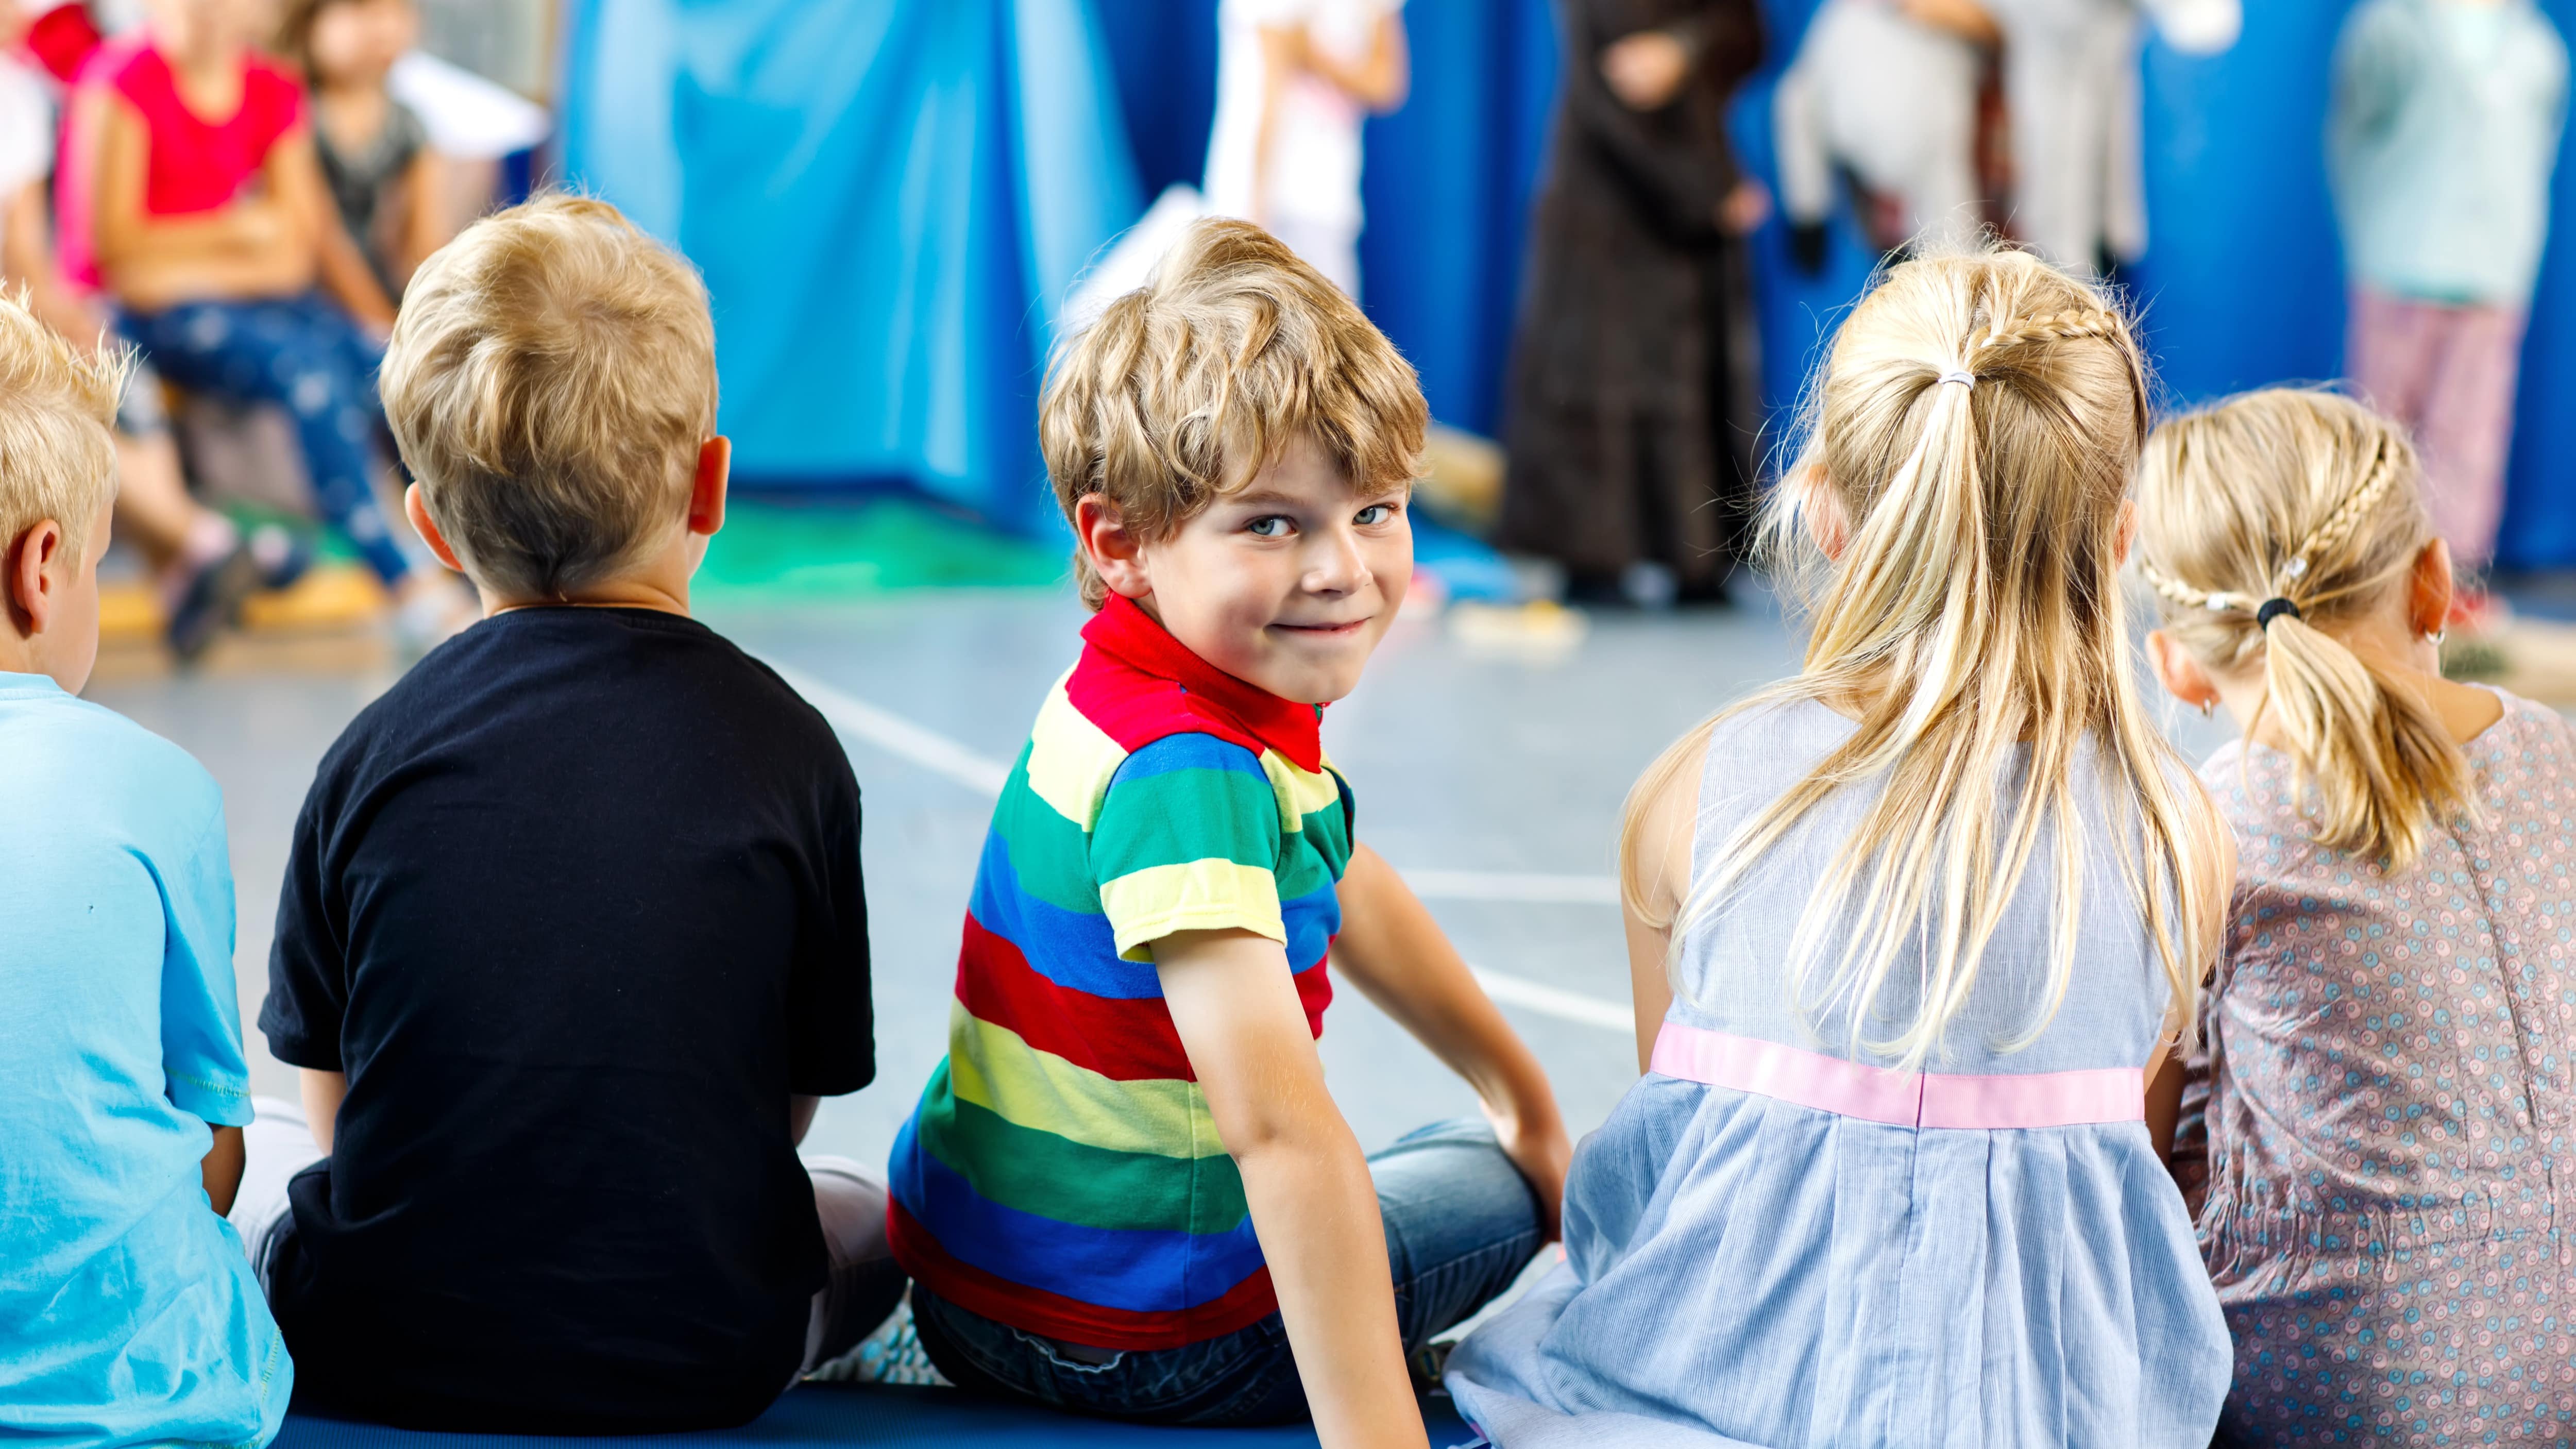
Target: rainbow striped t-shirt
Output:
[(1062, 1174)]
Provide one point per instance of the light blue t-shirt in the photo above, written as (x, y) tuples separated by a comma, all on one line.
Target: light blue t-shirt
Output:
[(2443, 130), (128, 1313)]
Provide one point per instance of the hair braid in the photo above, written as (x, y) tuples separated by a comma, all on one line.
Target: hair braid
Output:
[(2066, 325)]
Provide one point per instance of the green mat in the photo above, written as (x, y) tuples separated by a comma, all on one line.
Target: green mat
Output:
[(815, 551)]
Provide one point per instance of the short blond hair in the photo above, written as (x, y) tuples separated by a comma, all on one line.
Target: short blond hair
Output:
[(57, 458), (2296, 494), (1190, 385), (550, 382)]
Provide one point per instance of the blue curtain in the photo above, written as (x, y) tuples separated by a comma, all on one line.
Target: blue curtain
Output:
[(2242, 285), (887, 197)]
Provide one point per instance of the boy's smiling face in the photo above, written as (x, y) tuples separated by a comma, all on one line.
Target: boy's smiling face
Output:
[(1287, 584)]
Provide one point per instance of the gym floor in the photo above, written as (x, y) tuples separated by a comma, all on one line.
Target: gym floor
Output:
[(1489, 766)]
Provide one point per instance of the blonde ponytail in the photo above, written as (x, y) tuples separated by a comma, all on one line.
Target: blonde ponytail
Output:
[(1977, 425), (2307, 505)]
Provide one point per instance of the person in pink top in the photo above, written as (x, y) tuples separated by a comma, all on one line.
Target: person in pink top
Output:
[(193, 197), (2386, 1083)]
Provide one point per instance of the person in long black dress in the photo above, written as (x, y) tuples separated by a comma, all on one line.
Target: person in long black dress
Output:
[(1636, 404)]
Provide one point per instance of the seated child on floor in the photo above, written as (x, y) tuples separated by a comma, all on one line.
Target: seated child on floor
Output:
[(572, 934), (127, 1311), (387, 184), (1126, 1191), (205, 568), (2387, 1037), (213, 239), (1910, 934)]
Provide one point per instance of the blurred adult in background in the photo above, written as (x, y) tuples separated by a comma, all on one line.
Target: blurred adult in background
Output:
[(1295, 80), (389, 184), (2444, 127), (1636, 398), (203, 566), (217, 239)]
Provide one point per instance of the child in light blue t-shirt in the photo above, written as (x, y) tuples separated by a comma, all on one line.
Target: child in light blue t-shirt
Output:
[(128, 1314)]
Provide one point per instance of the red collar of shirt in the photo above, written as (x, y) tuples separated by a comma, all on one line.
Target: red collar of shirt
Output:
[(1128, 634)]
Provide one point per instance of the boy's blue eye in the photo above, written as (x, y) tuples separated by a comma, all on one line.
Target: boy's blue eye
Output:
[(1269, 526), (1375, 513)]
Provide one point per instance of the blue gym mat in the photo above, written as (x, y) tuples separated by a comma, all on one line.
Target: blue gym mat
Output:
[(833, 1414)]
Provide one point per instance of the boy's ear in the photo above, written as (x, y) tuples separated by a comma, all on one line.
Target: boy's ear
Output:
[(707, 487), (1116, 554), (2178, 672), (427, 527), (33, 593)]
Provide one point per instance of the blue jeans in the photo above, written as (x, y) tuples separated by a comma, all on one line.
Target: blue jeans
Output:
[(1460, 1225), (304, 354)]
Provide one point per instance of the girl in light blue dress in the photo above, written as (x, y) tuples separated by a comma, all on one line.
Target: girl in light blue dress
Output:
[(1911, 934)]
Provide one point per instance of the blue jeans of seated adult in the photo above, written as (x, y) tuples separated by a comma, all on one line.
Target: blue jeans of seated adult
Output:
[(1460, 1225), (304, 354)]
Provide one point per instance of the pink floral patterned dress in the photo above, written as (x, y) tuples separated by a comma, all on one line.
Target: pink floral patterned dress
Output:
[(2390, 1114)]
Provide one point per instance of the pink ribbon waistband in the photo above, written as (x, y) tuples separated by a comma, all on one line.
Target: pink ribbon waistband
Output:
[(1900, 1099)]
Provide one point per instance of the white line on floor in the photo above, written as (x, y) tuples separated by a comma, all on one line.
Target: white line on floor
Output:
[(950, 760), (1547, 1000), (896, 735), (1499, 885)]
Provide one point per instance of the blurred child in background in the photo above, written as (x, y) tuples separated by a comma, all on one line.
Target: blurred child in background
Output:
[(203, 566), (215, 237), (2387, 1037), (1295, 80), (2444, 128), (390, 186)]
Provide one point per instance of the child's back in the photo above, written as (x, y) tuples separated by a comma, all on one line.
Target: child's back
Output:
[(128, 1314), (1761, 1238), (573, 912), (1909, 933), (2389, 1037)]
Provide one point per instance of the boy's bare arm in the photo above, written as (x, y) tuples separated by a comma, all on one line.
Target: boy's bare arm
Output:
[(322, 1092), (1398, 957), (222, 1169), (1313, 1205)]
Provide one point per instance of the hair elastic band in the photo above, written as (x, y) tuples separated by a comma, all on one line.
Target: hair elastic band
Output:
[(1961, 376), (2273, 609)]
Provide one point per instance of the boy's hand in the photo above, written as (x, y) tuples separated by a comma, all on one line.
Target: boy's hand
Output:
[(1543, 1153)]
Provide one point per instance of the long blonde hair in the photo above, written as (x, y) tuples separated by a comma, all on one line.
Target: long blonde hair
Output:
[(2314, 499), (1976, 424)]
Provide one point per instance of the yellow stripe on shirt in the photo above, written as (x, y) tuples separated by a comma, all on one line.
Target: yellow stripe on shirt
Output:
[(995, 1068), (1144, 906)]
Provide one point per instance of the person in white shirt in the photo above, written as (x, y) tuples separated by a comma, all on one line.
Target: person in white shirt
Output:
[(1295, 81)]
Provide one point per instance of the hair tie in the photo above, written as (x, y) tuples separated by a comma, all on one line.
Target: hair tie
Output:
[(2273, 609), (1961, 376)]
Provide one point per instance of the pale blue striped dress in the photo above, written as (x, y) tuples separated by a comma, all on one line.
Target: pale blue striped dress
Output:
[(1742, 1269)]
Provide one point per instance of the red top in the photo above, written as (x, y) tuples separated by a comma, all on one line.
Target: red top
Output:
[(194, 164)]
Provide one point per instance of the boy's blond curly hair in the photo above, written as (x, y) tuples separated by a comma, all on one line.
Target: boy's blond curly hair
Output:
[(1187, 387), (57, 458), (550, 380)]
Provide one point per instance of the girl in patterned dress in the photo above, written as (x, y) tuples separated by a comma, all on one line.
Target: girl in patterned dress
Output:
[(2392, 1031), (1910, 932)]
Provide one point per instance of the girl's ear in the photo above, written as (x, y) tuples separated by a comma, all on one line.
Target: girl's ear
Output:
[(1117, 555), (2180, 674), (2128, 532), (2430, 589), (1821, 511)]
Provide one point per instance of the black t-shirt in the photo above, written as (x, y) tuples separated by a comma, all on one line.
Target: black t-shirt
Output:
[(576, 906)]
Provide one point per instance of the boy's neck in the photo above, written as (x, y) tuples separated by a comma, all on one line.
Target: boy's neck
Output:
[(613, 594)]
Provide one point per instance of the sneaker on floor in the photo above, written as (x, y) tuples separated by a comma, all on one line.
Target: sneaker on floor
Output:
[(211, 601), (891, 1355)]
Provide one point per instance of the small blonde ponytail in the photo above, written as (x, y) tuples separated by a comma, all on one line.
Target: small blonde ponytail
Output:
[(2265, 519)]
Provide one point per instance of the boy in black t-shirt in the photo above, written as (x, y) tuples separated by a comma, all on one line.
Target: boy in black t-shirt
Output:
[(572, 936)]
